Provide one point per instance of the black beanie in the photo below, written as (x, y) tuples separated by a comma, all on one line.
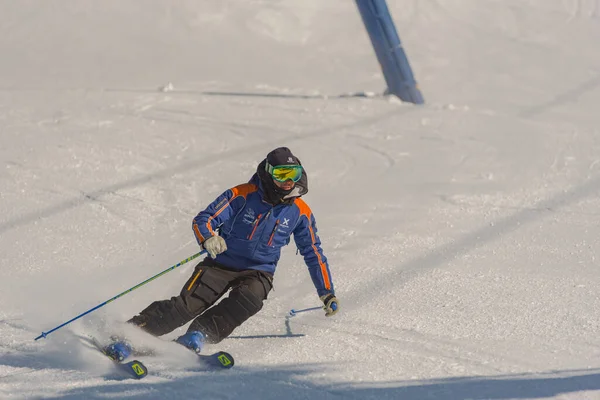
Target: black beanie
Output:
[(282, 156)]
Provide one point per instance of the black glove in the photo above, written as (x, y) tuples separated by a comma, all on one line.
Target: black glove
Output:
[(331, 304)]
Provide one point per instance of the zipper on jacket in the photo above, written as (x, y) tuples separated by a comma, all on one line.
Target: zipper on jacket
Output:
[(258, 242), (256, 221), (273, 233)]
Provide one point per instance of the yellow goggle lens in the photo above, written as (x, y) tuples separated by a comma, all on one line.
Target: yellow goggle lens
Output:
[(286, 173)]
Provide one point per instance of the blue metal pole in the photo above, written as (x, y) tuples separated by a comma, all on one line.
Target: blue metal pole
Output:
[(44, 334), (389, 51)]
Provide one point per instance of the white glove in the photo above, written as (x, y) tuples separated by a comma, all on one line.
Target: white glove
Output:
[(214, 245), (331, 304)]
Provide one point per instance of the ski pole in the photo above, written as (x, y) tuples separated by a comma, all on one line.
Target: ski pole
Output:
[(294, 312), (44, 334)]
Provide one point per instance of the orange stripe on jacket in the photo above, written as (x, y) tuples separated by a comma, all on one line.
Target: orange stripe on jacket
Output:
[(305, 210), (240, 190), (197, 232), (243, 190)]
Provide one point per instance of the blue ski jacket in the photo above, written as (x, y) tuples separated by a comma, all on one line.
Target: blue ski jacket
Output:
[(255, 231)]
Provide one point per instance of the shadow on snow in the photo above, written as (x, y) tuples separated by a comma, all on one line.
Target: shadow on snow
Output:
[(295, 383)]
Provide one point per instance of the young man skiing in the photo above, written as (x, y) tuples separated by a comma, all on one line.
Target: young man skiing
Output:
[(243, 231)]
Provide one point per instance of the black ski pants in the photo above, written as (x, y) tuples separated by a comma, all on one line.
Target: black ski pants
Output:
[(209, 283)]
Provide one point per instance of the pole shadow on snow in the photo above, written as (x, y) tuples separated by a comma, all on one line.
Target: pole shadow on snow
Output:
[(197, 164), (295, 383), (441, 255), (220, 93), (280, 95), (571, 95), (288, 333), (296, 335)]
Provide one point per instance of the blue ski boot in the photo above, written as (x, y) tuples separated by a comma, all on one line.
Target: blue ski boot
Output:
[(193, 340), (119, 350)]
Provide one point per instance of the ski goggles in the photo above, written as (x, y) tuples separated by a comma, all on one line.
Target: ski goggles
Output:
[(283, 173)]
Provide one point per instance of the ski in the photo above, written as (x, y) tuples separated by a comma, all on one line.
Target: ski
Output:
[(220, 359), (134, 369)]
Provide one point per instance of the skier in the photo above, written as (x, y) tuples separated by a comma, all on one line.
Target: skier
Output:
[(243, 231)]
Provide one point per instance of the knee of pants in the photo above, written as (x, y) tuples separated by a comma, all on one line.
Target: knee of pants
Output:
[(162, 317), (248, 298), (243, 302)]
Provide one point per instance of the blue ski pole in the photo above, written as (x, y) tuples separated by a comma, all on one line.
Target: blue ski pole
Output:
[(294, 312), (44, 334)]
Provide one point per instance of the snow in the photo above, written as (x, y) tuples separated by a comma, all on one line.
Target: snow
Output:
[(462, 235)]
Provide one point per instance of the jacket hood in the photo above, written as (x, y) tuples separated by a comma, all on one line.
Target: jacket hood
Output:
[(272, 193)]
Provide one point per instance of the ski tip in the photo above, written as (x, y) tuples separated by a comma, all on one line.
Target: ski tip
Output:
[(135, 368), (225, 359)]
